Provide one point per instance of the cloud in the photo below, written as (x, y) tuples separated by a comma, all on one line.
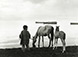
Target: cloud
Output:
[(67, 4), (37, 9), (61, 8), (16, 10)]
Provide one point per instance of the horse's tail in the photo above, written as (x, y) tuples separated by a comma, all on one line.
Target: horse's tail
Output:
[(64, 36)]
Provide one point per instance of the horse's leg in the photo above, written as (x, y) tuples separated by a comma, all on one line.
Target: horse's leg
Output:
[(52, 35), (64, 45), (49, 41), (39, 42), (43, 41), (52, 41), (55, 43)]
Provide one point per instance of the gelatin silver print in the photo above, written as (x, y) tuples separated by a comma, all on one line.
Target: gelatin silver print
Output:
[(38, 28)]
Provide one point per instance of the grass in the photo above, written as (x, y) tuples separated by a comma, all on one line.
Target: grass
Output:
[(71, 51)]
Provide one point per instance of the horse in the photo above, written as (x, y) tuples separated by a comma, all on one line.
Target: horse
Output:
[(44, 31), (62, 36)]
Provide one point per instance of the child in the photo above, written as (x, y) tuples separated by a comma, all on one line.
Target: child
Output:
[(24, 36)]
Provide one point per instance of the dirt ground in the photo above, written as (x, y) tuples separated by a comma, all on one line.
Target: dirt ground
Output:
[(71, 51)]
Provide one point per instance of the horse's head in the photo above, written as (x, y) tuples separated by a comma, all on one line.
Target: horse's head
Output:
[(34, 40), (57, 28)]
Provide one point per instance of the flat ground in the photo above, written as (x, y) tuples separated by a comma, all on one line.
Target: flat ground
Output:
[(72, 51)]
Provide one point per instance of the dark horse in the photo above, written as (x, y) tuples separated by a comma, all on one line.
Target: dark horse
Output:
[(62, 36), (44, 31)]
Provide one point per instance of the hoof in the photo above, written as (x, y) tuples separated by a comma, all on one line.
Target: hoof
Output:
[(54, 48)]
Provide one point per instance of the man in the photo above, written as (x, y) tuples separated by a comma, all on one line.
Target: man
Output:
[(25, 36)]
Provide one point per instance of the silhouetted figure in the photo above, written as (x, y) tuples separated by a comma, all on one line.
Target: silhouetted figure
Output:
[(24, 36)]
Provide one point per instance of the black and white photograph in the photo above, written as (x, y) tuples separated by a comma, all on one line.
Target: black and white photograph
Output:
[(38, 28)]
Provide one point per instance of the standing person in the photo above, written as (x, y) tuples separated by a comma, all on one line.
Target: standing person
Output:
[(25, 36)]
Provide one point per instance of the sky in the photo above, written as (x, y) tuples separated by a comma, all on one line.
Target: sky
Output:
[(16, 13)]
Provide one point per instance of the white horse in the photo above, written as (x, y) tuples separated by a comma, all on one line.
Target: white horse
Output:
[(44, 31), (62, 36)]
